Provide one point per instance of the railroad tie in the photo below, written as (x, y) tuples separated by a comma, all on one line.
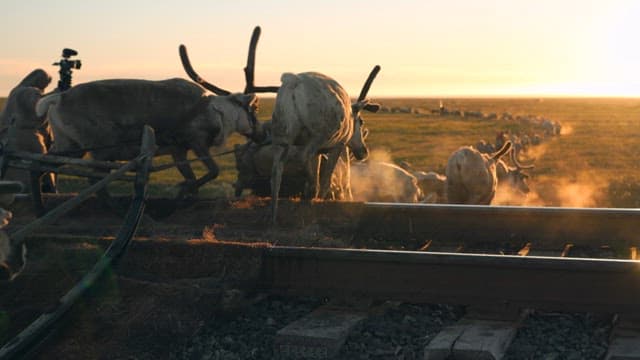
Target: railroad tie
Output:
[(319, 335), (484, 333), (625, 338)]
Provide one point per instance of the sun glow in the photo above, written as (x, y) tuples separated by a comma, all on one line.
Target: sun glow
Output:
[(453, 48)]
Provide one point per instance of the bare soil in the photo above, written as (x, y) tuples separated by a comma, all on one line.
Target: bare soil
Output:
[(172, 280)]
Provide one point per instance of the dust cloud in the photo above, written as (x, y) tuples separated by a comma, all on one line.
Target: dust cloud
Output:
[(534, 152), (583, 190), (566, 129), (380, 156), (506, 195), (378, 179)]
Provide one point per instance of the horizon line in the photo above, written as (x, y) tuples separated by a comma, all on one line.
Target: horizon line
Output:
[(481, 96), (499, 96)]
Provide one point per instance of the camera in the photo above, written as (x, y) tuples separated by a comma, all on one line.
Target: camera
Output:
[(66, 66)]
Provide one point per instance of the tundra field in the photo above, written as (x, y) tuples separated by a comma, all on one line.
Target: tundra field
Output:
[(168, 301), (592, 163)]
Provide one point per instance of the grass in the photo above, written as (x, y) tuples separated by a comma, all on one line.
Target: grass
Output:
[(593, 163), (586, 166)]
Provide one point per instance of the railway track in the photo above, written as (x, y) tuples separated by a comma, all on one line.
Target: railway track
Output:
[(577, 232), (477, 257)]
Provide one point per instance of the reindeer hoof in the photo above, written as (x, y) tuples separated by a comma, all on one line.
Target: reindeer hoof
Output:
[(188, 189), (188, 192)]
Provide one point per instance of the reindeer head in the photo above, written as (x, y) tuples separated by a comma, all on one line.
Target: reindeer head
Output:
[(357, 141), (517, 177), (513, 175), (247, 123)]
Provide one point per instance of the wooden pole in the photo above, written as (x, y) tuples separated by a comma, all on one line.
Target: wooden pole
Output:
[(17, 237), (62, 160)]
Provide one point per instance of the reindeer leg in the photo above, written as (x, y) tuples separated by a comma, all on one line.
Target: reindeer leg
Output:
[(347, 181), (179, 156), (279, 157), (310, 157), (105, 199), (36, 193), (203, 153), (49, 183), (312, 170), (327, 169)]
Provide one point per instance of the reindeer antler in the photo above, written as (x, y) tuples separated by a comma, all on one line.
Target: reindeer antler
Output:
[(186, 64), (249, 70), (367, 84), (516, 162)]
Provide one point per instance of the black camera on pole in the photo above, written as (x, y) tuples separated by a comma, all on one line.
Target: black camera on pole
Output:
[(66, 66)]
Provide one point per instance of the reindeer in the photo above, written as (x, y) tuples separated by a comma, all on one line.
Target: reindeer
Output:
[(471, 175), (485, 147), (254, 162), (106, 118), (512, 176), (313, 111), (432, 184)]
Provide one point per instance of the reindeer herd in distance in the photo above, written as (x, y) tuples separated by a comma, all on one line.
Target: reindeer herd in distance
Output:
[(308, 147)]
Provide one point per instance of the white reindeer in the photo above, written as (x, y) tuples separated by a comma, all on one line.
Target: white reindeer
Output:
[(313, 111), (432, 184), (254, 162), (471, 175)]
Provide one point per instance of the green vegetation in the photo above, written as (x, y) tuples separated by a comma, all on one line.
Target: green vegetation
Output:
[(593, 163)]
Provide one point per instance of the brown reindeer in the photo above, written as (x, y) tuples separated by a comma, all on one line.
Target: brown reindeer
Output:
[(106, 118)]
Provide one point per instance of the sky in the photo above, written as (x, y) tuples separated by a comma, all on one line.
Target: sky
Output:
[(425, 48)]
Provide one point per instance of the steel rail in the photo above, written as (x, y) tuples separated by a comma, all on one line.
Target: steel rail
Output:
[(542, 226), (437, 228), (445, 227), (508, 282)]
